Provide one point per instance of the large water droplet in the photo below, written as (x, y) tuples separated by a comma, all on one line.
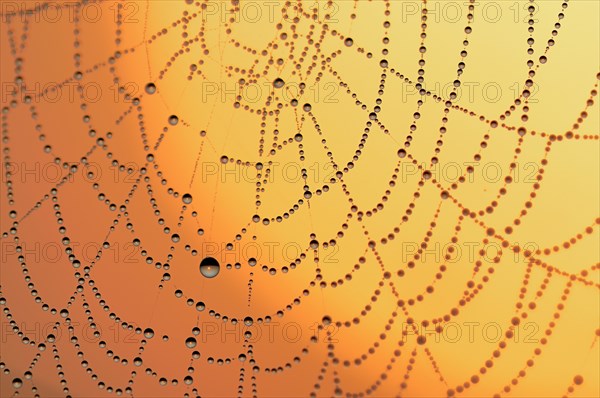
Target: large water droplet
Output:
[(187, 198), (190, 342), (209, 267), (150, 88)]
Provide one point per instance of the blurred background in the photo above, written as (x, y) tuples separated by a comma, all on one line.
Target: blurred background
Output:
[(141, 137)]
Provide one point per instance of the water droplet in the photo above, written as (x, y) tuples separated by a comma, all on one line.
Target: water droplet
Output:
[(173, 120), (150, 88), (209, 267), (148, 333), (187, 198), (278, 83), (348, 42)]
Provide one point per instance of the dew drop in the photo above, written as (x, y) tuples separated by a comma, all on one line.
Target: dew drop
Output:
[(150, 88), (209, 267), (148, 333)]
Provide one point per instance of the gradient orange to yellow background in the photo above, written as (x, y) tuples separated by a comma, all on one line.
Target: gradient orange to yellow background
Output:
[(420, 282)]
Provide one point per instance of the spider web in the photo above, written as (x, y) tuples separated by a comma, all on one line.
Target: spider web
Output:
[(361, 137)]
